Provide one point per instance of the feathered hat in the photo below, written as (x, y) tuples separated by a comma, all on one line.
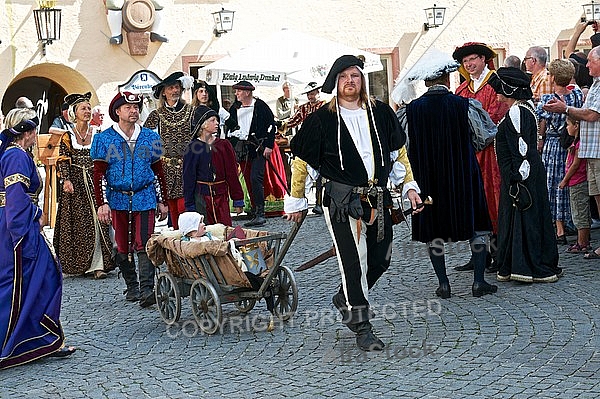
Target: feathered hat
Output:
[(433, 64)]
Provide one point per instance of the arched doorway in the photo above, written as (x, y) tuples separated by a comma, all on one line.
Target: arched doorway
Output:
[(46, 86)]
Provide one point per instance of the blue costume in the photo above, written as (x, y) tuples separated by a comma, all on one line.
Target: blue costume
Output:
[(127, 169), (30, 278)]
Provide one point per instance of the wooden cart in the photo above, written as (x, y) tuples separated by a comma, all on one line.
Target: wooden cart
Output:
[(213, 278)]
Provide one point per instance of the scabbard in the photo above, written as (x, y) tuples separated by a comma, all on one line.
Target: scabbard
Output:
[(320, 258)]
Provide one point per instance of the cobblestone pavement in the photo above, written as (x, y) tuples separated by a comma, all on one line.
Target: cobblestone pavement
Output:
[(526, 341)]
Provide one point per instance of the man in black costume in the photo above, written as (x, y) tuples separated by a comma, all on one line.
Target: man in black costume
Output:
[(440, 127), (354, 142)]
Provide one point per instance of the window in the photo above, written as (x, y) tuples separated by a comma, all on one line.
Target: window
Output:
[(379, 83)]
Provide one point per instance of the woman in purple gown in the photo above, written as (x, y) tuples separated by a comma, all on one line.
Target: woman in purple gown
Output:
[(30, 278)]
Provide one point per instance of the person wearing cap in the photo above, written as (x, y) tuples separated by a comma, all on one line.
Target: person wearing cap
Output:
[(527, 249), (61, 124), (444, 132), (173, 121), (81, 242), (254, 138), (130, 189), (314, 103), (589, 129), (30, 278), (353, 141), (476, 66), (210, 171), (535, 61)]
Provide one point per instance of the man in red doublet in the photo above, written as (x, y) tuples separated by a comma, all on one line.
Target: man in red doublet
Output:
[(476, 67)]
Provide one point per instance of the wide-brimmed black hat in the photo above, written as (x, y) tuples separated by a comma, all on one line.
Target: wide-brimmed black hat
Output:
[(473, 48), (243, 85), (342, 63), (201, 115), (168, 81), (311, 86), (124, 98), (512, 83)]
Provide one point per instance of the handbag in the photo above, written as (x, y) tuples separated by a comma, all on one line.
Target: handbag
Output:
[(520, 196), (483, 128)]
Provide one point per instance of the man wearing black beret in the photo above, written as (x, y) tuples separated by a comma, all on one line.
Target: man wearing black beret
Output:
[(354, 142)]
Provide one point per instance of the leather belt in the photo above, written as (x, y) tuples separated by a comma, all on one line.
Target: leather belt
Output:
[(374, 191)]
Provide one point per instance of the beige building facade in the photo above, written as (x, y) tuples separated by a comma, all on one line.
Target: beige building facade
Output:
[(84, 60)]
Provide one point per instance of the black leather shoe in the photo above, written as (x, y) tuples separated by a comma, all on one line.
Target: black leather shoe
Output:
[(155, 37), (492, 268), (257, 221), (132, 294), (465, 267), (483, 288), (318, 209), (148, 300), (366, 340), (443, 291)]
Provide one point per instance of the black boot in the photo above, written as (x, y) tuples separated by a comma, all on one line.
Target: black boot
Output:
[(480, 286), (491, 265), (438, 260), (259, 218), (127, 269), (339, 301), (466, 267), (147, 272), (365, 339)]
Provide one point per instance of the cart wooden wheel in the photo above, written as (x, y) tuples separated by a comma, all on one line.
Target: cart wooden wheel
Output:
[(285, 293), (206, 306), (245, 305), (168, 299)]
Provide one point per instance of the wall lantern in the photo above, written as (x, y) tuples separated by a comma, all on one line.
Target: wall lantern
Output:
[(592, 11), (47, 23), (223, 21), (435, 17)]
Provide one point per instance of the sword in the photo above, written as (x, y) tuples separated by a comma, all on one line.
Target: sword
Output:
[(320, 258)]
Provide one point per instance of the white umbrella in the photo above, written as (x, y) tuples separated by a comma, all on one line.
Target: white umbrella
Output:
[(284, 56)]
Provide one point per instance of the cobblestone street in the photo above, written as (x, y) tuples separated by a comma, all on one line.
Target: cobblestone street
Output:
[(526, 341)]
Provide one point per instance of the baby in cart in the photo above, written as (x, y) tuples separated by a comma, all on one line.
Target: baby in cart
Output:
[(192, 227)]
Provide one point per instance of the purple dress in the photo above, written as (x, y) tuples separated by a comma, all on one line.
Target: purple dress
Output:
[(30, 278)]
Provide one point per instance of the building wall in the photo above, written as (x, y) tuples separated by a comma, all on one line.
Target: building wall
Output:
[(84, 60)]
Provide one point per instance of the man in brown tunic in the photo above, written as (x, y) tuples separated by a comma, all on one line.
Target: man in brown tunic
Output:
[(173, 120)]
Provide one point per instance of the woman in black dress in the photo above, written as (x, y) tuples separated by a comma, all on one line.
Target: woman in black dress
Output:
[(527, 249)]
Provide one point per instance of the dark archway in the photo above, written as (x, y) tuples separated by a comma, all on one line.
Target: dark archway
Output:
[(46, 95)]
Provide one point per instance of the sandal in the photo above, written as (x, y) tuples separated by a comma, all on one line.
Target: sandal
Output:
[(578, 249), (591, 255), (561, 240), (63, 352)]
